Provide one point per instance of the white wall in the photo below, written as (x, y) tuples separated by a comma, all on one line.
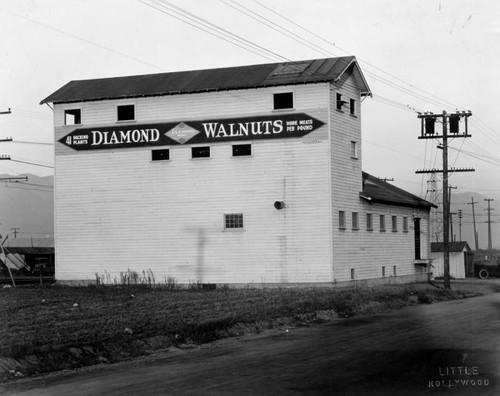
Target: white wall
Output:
[(117, 210), (365, 251), (457, 264)]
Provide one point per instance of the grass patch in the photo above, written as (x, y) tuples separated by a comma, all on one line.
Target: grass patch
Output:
[(46, 329)]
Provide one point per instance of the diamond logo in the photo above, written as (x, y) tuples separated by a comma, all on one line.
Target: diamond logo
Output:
[(181, 133)]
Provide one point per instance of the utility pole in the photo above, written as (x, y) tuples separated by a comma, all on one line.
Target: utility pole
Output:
[(490, 249), (428, 122), (460, 225), (451, 213), (474, 220), (15, 230)]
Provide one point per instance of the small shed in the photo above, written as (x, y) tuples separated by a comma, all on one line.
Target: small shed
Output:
[(461, 258)]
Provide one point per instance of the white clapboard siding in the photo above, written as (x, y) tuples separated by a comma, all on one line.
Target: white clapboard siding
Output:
[(118, 210), (362, 250)]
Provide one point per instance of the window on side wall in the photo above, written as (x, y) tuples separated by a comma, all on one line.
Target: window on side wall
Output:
[(355, 221), (233, 221), (394, 223), (369, 222), (72, 117), (341, 219), (340, 102), (352, 107), (125, 113), (382, 222), (283, 100), (354, 149), (405, 224)]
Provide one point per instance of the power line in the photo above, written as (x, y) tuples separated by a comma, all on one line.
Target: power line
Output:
[(208, 27), (32, 163)]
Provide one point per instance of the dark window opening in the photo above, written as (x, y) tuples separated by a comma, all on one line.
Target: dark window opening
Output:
[(240, 150), (200, 152), (416, 221), (72, 117), (283, 100), (160, 155), (126, 113), (340, 102), (352, 274), (352, 106)]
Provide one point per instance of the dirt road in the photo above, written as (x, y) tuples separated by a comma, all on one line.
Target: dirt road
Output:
[(427, 349)]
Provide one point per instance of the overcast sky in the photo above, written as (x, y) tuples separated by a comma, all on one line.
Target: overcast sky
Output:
[(417, 55)]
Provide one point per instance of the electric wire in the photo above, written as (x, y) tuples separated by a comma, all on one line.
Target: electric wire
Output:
[(208, 27)]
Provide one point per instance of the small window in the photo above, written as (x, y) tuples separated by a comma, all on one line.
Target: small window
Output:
[(240, 150), (233, 220), (382, 222), (200, 152), (369, 221), (341, 219), (355, 221), (394, 223), (405, 224), (283, 100), (160, 155), (72, 117), (340, 102), (352, 274), (352, 106), (383, 271), (126, 113), (394, 270), (354, 149)]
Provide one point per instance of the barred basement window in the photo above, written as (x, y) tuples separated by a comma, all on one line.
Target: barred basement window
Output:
[(240, 150), (72, 117), (394, 224), (233, 220), (341, 219), (160, 155), (200, 152), (283, 100), (369, 222), (125, 113), (382, 222)]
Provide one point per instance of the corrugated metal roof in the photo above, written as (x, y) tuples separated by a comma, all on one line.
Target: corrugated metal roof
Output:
[(229, 78), (379, 191), (438, 247)]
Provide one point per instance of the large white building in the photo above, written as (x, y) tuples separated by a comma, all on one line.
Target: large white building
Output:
[(234, 175)]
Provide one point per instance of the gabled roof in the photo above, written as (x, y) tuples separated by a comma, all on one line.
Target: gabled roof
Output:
[(379, 191), (438, 247), (229, 78)]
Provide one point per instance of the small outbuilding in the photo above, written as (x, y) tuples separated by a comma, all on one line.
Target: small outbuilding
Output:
[(461, 258)]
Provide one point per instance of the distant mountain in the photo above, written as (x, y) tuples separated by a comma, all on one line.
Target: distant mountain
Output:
[(26, 207)]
